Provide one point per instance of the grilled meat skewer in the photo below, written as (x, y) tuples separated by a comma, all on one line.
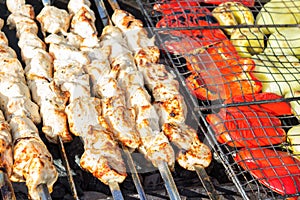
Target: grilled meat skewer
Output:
[(39, 74), (102, 156), (32, 161), (154, 144), (168, 102)]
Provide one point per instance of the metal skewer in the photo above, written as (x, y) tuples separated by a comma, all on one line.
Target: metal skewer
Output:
[(67, 167), (134, 174), (62, 148), (207, 184), (115, 190), (6, 189), (168, 180), (43, 192)]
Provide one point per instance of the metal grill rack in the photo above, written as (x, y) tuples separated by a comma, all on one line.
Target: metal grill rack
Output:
[(289, 73)]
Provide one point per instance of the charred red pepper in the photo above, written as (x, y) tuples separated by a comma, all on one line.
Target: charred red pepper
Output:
[(275, 108), (173, 6), (178, 16), (246, 128), (221, 74), (248, 3), (277, 170)]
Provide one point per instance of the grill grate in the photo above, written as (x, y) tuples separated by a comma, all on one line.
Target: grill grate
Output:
[(183, 40)]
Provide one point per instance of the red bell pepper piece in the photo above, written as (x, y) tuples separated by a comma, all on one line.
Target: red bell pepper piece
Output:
[(248, 3), (179, 17), (221, 79), (277, 170), (275, 108), (246, 128), (171, 7)]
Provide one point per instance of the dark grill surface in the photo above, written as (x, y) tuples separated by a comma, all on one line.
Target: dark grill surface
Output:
[(230, 180)]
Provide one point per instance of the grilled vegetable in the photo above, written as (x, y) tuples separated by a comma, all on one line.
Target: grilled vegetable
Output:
[(285, 42), (248, 41), (190, 39), (274, 108), (224, 75), (293, 137), (278, 12), (277, 170), (294, 104), (232, 13), (278, 74), (246, 128)]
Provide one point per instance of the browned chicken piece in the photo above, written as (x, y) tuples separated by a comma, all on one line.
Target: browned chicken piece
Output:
[(75, 5), (192, 152), (116, 113), (171, 110), (82, 113), (39, 67), (70, 38), (15, 100), (14, 5), (54, 20), (83, 23), (12, 69), (102, 156), (7, 52), (6, 155), (140, 44), (3, 38), (31, 45), (67, 52), (52, 103), (22, 24), (32, 161), (71, 78)]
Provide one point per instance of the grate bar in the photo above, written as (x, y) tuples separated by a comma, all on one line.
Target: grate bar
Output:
[(43, 192), (68, 169), (6, 189)]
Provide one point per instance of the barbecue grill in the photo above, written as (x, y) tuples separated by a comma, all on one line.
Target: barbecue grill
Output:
[(224, 178)]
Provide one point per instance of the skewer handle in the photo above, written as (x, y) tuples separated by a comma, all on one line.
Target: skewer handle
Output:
[(169, 182), (206, 182), (115, 191), (44, 192), (7, 191), (134, 174)]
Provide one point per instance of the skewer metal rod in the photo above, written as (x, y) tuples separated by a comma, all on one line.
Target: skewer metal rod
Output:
[(114, 4), (43, 192), (115, 191), (102, 12), (207, 184), (134, 174), (168, 180), (67, 167), (46, 2), (7, 191)]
